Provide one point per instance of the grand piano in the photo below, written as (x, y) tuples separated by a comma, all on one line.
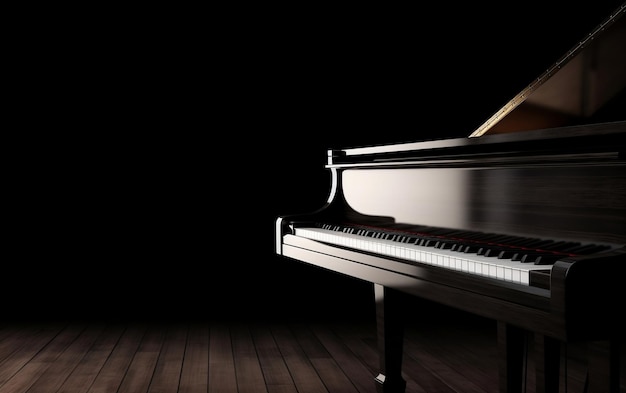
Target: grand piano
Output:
[(523, 221)]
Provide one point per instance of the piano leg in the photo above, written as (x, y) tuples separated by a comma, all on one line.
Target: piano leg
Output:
[(547, 363), (390, 330), (512, 346), (603, 367)]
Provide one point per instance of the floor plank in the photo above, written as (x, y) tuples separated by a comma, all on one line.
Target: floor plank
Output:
[(168, 368), (222, 376), (302, 371), (329, 371), (22, 350), (275, 371), (355, 370), (195, 372), (83, 376), (114, 369), (62, 367), (141, 368), (247, 365), (42, 358)]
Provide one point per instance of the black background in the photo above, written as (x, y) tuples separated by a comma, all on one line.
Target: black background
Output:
[(154, 157)]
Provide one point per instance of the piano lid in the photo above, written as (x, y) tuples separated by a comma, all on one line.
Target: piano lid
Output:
[(586, 85)]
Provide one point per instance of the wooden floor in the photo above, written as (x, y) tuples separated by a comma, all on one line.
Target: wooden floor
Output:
[(453, 354)]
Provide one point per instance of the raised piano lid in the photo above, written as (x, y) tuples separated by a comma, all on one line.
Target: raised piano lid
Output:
[(586, 85)]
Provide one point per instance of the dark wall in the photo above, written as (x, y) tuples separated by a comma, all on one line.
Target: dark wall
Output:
[(177, 151)]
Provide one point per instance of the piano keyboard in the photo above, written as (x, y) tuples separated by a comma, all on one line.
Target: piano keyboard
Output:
[(501, 257)]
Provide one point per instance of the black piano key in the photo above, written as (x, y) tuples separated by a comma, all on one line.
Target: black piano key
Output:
[(587, 249), (529, 257), (517, 256), (443, 245), (482, 237), (426, 242), (493, 252), (531, 241), (429, 243), (538, 244), (456, 247), (547, 259), (521, 241), (560, 245), (540, 258), (489, 250), (470, 249), (461, 246)]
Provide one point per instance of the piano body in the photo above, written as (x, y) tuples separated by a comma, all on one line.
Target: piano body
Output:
[(522, 225)]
